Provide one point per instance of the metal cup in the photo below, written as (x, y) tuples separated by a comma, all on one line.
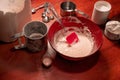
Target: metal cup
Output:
[(35, 36), (69, 9)]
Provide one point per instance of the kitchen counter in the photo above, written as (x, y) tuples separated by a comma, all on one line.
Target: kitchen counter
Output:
[(24, 65)]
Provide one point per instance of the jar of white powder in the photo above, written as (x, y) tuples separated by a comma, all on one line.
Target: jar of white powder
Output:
[(112, 30)]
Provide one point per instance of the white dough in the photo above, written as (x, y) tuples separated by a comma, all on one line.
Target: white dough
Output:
[(80, 49)]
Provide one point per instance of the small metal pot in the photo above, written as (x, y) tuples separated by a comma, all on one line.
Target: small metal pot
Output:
[(67, 9)]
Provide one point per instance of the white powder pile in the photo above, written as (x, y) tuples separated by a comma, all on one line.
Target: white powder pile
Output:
[(36, 35), (103, 8), (80, 49), (113, 26)]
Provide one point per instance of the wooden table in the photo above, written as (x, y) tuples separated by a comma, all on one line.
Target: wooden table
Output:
[(23, 65)]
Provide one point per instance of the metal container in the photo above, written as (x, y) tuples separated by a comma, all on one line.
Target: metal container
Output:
[(67, 9), (35, 37)]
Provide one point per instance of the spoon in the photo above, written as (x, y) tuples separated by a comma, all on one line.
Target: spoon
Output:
[(46, 19), (36, 9)]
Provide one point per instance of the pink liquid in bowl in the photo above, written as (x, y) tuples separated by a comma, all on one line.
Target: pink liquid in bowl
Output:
[(87, 45)]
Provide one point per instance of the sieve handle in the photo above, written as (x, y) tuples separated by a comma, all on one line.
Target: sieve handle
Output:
[(20, 44)]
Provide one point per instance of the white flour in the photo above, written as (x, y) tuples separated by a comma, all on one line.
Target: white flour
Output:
[(103, 8), (36, 36), (80, 49)]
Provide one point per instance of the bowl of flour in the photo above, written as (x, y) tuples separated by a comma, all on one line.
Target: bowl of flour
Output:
[(89, 37)]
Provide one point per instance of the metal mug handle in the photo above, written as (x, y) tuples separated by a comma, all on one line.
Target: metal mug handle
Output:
[(82, 13), (20, 44)]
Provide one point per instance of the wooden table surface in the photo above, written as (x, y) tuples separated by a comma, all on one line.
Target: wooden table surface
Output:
[(23, 65)]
